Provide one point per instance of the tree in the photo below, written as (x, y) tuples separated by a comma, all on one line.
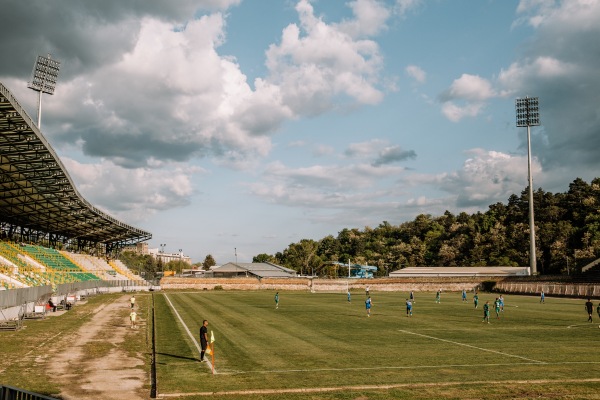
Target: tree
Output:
[(303, 255), (209, 261), (264, 258)]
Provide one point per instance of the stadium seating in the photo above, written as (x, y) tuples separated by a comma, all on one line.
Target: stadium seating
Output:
[(33, 265)]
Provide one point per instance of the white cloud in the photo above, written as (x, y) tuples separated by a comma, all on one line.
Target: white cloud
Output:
[(132, 194), (488, 177), (470, 88), (404, 6), (455, 113), (466, 97), (416, 73), (328, 186), (370, 18), (316, 62)]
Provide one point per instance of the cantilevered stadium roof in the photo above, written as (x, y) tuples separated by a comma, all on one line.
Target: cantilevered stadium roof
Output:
[(36, 191)]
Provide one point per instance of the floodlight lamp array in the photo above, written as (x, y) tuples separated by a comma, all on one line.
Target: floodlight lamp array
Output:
[(45, 75), (528, 111)]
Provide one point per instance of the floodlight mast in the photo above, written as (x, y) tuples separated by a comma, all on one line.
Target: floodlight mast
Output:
[(43, 80), (528, 114)]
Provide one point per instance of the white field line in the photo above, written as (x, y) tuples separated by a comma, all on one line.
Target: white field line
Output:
[(355, 369), (377, 387), (471, 346), (189, 333), (588, 324)]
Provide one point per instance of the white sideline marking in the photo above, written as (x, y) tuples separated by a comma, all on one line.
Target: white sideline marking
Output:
[(588, 324), (471, 346), (374, 387), (189, 333), (351, 369)]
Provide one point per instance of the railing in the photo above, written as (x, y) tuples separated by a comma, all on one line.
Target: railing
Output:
[(552, 289), (17, 297), (12, 393)]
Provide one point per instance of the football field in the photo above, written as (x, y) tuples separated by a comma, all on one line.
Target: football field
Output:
[(319, 345)]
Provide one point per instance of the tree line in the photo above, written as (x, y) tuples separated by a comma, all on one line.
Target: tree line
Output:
[(567, 231)]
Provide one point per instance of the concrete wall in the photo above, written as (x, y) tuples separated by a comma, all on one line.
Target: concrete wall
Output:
[(451, 284)]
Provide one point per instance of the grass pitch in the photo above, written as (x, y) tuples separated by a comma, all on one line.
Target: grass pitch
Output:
[(318, 345)]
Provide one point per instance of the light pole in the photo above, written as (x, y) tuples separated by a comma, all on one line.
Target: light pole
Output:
[(43, 80), (162, 258), (528, 114), (235, 251), (180, 255)]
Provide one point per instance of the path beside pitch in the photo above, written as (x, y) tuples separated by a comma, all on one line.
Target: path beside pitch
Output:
[(114, 374)]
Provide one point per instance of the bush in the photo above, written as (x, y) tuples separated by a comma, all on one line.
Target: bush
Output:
[(218, 287)]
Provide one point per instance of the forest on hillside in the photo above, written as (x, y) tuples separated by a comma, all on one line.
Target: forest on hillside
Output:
[(567, 230)]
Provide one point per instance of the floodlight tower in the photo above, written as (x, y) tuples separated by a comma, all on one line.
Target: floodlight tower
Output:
[(43, 80), (528, 114)]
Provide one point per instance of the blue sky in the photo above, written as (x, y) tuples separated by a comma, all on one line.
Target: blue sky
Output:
[(247, 125)]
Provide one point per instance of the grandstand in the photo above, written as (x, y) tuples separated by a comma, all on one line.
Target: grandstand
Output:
[(42, 211)]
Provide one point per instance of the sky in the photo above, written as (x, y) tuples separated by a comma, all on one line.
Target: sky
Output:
[(237, 127)]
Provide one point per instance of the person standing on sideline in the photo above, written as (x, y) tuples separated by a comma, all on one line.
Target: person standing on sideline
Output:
[(132, 318), (408, 308), (203, 339), (589, 307), (276, 300), (438, 295), (476, 300), (349, 297), (368, 303), (132, 301), (542, 297), (486, 312), (464, 295)]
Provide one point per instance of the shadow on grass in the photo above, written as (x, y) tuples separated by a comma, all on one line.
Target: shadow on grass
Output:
[(176, 356)]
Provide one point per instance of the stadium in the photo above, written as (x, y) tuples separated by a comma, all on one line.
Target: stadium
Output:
[(78, 324)]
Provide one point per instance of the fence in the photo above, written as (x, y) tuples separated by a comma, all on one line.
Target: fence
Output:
[(17, 297), (551, 289), (12, 393)]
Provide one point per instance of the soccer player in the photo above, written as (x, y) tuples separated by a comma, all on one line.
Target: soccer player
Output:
[(501, 298), (408, 308), (368, 303), (132, 301), (589, 307), (367, 290), (132, 317), (464, 295), (276, 300), (542, 297), (476, 300), (412, 296), (486, 312), (598, 310), (438, 295), (497, 307), (349, 296), (203, 338)]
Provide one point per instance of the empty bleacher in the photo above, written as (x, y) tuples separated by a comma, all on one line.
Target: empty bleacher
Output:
[(23, 265)]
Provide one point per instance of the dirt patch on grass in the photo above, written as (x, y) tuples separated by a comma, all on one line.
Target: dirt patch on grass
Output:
[(92, 363)]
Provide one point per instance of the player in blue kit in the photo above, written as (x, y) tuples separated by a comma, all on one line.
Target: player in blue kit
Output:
[(408, 308)]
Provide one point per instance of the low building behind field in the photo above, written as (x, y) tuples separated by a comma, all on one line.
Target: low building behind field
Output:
[(413, 272)]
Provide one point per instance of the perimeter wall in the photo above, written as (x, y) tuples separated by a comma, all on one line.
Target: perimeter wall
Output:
[(446, 284)]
